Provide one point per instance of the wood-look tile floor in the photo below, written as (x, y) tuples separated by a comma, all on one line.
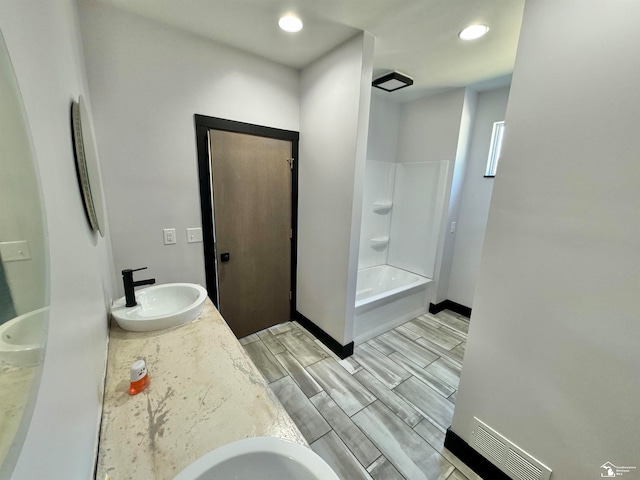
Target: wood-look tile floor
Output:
[(380, 414)]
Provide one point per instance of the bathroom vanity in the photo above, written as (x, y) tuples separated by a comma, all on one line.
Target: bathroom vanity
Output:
[(204, 392)]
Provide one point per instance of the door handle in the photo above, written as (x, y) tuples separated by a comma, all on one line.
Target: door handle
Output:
[(224, 257)]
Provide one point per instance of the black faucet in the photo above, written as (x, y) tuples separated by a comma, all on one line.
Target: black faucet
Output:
[(129, 284)]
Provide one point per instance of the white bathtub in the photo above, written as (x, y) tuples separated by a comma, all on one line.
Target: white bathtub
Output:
[(386, 297)]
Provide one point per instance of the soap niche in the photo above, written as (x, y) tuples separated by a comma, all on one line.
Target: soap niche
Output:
[(379, 243), (382, 208)]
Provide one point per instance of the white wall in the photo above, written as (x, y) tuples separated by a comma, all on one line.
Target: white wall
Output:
[(147, 81), (334, 121), (43, 41), (476, 196), (552, 359)]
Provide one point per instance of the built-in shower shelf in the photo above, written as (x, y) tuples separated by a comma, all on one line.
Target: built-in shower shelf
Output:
[(379, 243), (382, 207)]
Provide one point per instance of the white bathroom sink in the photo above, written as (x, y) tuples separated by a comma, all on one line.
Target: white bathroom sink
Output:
[(22, 339), (265, 458), (160, 306)]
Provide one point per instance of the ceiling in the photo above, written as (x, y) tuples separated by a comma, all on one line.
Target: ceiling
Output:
[(416, 37)]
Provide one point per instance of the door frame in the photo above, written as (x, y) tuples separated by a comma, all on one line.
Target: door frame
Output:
[(202, 125)]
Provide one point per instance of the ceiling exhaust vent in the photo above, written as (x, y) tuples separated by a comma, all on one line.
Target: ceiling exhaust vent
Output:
[(506, 455), (392, 81)]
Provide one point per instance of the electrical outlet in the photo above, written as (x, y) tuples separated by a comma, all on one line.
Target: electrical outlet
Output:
[(194, 235), (169, 236), (15, 251), (453, 227)]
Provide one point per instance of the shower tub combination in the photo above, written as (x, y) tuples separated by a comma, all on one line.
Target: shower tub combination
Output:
[(386, 297)]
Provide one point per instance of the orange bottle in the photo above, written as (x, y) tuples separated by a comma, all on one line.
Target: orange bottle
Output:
[(139, 377)]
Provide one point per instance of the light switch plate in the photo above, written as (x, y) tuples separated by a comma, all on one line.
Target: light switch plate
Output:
[(194, 235), (169, 236), (15, 251)]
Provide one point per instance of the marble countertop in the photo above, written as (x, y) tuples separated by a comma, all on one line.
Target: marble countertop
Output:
[(204, 392), (15, 390)]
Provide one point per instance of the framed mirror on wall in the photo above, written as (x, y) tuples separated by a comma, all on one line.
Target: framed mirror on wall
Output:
[(24, 269), (87, 168)]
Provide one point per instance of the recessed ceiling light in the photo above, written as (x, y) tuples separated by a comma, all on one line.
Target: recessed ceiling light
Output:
[(473, 32), (290, 23)]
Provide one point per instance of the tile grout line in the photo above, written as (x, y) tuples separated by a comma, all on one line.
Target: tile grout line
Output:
[(446, 397), (338, 435), (339, 407), (381, 353), (454, 366), (431, 420), (387, 459), (292, 378), (354, 424), (394, 414), (382, 401)]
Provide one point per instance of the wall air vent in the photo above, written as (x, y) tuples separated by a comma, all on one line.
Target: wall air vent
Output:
[(490, 445), (522, 467), (506, 455)]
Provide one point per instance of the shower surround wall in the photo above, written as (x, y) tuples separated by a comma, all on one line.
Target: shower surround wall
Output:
[(418, 206), (416, 160), (382, 146), (402, 212), (377, 205)]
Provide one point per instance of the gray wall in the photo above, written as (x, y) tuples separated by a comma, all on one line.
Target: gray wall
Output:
[(435, 129), (23, 282), (476, 197), (552, 359), (458, 171), (45, 48), (334, 121), (384, 126), (430, 127), (147, 81)]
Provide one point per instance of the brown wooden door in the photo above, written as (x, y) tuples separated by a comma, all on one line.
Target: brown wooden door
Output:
[(252, 218)]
